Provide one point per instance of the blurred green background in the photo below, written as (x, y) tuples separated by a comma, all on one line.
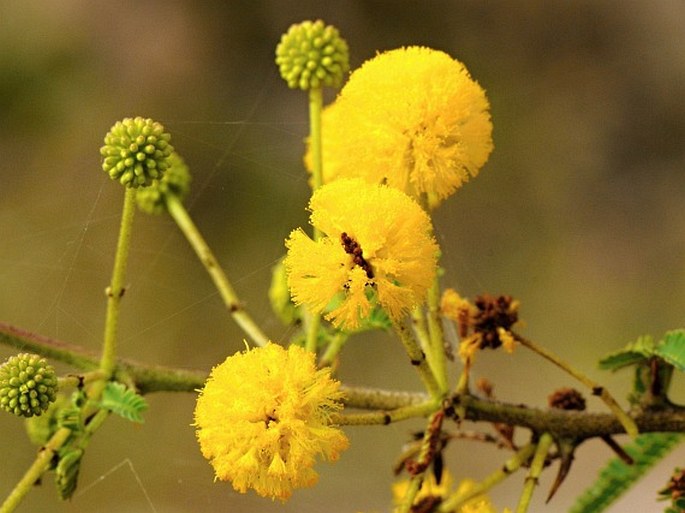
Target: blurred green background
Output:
[(577, 213)]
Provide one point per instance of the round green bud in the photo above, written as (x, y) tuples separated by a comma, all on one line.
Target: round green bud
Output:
[(175, 182), (136, 151), (311, 55), (279, 296), (41, 428), (28, 384)]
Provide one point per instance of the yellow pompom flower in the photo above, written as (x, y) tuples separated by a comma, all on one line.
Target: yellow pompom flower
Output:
[(377, 243), (413, 118), (264, 416)]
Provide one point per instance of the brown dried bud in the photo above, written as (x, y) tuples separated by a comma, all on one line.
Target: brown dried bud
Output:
[(567, 399), (494, 312)]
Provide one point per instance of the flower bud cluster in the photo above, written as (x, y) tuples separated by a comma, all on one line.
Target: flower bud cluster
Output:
[(175, 182), (136, 151), (311, 55), (28, 384)]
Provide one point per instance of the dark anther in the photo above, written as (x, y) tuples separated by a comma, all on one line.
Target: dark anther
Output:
[(415, 363), (597, 390), (387, 419), (353, 248)]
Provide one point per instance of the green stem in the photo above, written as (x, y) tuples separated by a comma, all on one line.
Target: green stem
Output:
[(313, 323), (57, 350), (385, 417), (333, 349), (315, 109), (562, 424), (418, 359), (436, 356), (418, 319), (457, 500), (40, 465), (116, 289), (411, 493), (626, 421), (536, 467), (221, 281), (366, 398), (73, 381)]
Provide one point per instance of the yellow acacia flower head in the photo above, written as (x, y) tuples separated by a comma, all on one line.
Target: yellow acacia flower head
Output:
[(264, 416), (377, 243), (412, 117)]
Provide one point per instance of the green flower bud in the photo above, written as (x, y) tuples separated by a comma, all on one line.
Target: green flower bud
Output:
[(136, 151), (28, 384), (41, 428), (312, 55), (279, 296), (67, 471), (175, 182)]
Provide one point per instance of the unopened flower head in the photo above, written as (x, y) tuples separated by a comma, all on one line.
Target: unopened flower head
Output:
[(312, 55), (175, 182), (28, 384), (413, 118), (136, 151), (264, 416), (378, 244)]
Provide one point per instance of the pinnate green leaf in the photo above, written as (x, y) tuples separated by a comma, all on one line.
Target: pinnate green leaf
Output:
[(124, 402), (672, 349), (617, 477)]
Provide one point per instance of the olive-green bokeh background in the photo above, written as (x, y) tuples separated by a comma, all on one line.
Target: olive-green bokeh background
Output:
[(578, 213)]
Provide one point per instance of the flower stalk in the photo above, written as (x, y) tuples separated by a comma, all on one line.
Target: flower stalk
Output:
[(418, 359), (536, 466), (36, 470), (457, 500), (217, 274), (626, 421), (115, 291), (315, 108), (436, 359)]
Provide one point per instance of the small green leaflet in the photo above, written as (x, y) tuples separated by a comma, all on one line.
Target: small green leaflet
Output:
[(124, 402), (636, 352), (672, 349)]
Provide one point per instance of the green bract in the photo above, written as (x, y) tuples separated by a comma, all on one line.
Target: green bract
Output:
[(311, 55), (175, 182), (136, 151), (28, 384)]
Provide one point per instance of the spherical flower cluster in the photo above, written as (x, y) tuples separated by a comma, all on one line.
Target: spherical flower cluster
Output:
[(28, 384), (311, 55), (378, 245), (175, 182), (263, 417), (136, 151), (412, 118)]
